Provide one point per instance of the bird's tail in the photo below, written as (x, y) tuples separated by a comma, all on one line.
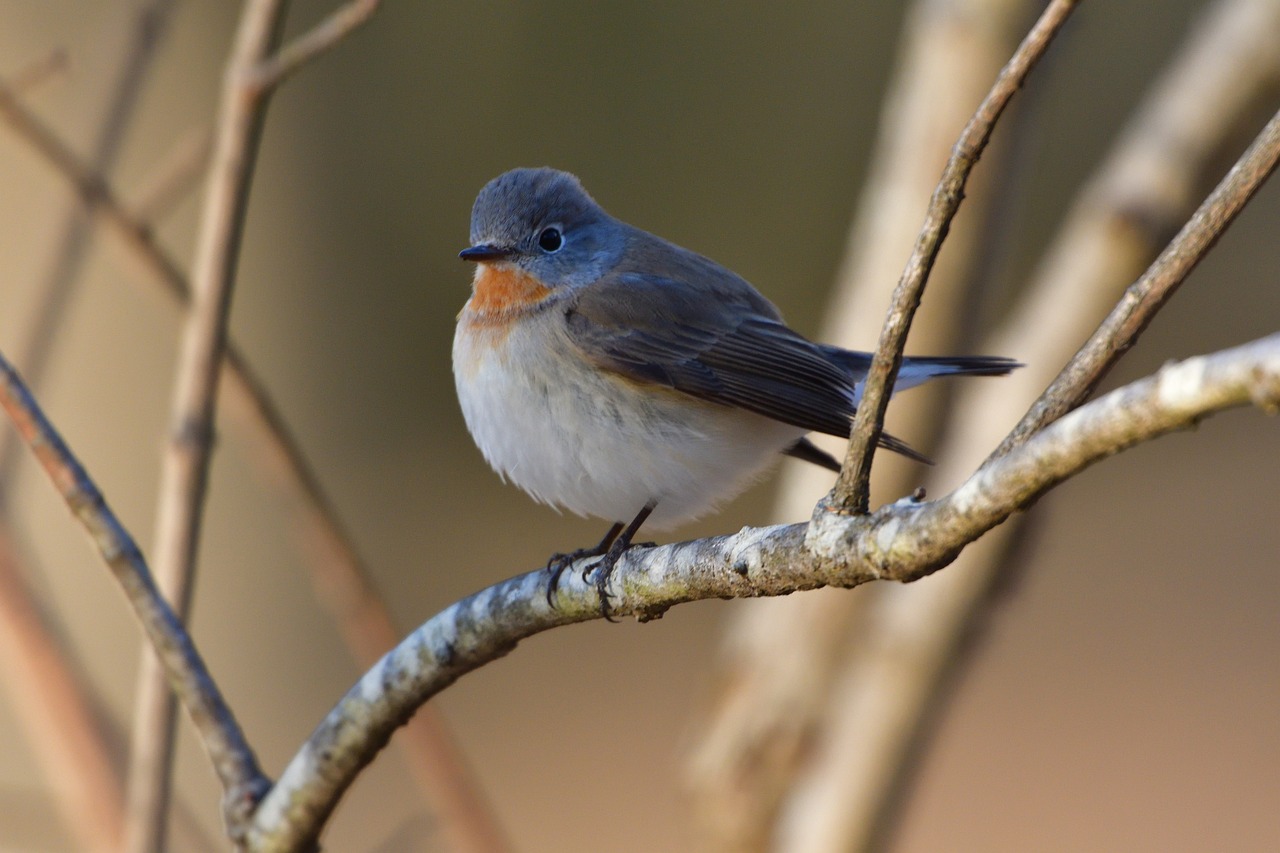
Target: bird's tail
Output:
[(970, 365), (915, 371)]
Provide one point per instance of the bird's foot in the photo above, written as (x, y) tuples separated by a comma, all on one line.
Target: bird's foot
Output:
[(559, 563)]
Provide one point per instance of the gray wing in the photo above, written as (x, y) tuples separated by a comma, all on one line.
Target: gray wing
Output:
[(723, 343)]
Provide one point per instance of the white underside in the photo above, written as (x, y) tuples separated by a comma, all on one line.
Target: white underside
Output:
[(578, 438)]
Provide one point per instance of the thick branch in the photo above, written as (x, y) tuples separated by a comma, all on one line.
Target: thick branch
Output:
[(853, 488), (902, 541)]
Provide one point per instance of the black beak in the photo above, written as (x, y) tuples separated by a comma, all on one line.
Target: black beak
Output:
[(486, 252)]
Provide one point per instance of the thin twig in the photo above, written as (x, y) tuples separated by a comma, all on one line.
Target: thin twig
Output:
[(1148, 294), (233, 759), (324, 36), (340, 577), (853, 487), (56, 681), (887, 702), (58, 287), (780, 656), (902, 541), (185, 464)]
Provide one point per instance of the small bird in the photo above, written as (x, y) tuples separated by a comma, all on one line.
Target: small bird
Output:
[(607, 371)]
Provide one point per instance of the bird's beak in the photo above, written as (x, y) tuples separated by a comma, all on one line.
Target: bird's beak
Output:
[(486, 252)]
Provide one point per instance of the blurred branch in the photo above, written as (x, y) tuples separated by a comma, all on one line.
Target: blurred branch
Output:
[(1148, 294), (58, 287), (52, 702), (885, 704), (173, 179), (60, 716), (852, 491), (901, 541), (185, 461), (779, 657), (271, 71), (339, 575), (36, 74), (232, 758)]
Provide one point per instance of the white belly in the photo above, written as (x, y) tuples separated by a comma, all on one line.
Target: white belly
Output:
[(596, 444)]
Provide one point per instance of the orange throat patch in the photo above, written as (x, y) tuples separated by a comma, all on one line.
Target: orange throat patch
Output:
[(503, 291)]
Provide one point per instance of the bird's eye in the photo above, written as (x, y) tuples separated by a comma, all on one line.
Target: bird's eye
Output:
[(550, 240)]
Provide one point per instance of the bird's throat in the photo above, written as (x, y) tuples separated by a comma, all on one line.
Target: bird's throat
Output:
[(501, 290)]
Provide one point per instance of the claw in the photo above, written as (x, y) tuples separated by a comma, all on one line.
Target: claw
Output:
[(610, 550)]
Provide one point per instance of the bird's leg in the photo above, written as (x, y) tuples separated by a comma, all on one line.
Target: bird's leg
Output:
[(559, 562), (604, 566)]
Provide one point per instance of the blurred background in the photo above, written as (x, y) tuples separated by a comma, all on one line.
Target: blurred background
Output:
[(1127, 691)]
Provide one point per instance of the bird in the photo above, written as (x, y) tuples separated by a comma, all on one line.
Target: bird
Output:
[(614, 374)]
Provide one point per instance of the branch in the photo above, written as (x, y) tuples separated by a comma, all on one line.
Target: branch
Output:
[(339, 576), (174, 177), (56, 683), (185, 463), (851, 792), (902, 541), (779, 657), (1150, 292), (233, 760), (853, 487), (52, 701), (273, 70), (36, 74)]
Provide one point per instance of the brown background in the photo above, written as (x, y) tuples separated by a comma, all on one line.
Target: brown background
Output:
[(1127, 694)]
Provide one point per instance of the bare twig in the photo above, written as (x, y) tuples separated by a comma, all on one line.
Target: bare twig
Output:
[(779, 655), (885, 704), (1148, 294), (232, 758), (273, 70), (339, 575), (185, 465), (901, 541), (76, 755), (853, 487), (58, 287)]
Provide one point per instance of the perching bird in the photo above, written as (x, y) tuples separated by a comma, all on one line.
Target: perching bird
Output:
[(607, 371)]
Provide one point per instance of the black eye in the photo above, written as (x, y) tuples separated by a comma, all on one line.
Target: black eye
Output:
[(550, 240)]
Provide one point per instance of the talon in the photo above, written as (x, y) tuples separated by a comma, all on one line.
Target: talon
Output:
[(560, 562)]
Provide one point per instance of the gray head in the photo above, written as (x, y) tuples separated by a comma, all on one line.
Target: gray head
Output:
[(543, 221)]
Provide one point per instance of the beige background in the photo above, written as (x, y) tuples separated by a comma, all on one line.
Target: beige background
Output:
[(1127, 693)]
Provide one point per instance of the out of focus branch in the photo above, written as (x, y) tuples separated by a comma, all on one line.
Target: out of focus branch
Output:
[(901, 541), (779, 655), (1148, 294), (339, 575), (56, 709), (174, 177), (232, 758), (37, 73), (324, 36), (885, 702), (88, 786)]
